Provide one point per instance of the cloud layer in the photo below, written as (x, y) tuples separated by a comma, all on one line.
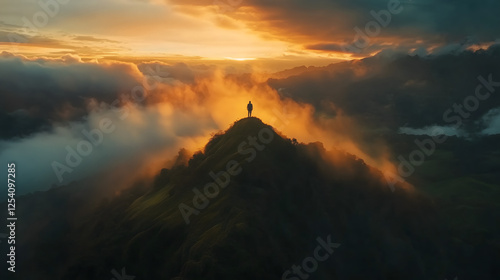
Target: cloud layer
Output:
[(53, 105), (88, 118)]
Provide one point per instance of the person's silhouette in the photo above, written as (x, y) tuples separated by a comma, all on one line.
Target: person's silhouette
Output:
[(249, 108)]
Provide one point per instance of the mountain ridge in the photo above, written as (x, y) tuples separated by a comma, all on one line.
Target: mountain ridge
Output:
[(268, 217)]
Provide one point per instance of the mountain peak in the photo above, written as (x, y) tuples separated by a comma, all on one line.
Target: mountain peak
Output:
[(250, 124), (236, 206), (250, 130)]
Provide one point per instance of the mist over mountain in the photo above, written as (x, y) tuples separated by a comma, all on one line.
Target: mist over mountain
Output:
[(250, 139), (140, 199), (252, 205), (401, 90), (268, 202), (396, 89)]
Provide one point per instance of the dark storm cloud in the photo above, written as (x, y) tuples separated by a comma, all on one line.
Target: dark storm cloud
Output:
[(50, 106), (38, 92), (331, 23), (394, 90)]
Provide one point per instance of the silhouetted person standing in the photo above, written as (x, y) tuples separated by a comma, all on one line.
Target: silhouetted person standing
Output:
[(249, 108)]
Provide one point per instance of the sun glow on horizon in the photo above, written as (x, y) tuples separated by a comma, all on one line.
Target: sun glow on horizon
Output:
[(240, 58)]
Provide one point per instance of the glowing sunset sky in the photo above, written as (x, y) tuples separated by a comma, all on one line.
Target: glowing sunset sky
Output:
[(269, 32)]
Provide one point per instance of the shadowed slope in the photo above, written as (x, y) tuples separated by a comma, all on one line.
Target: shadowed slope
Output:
[(266, 218)]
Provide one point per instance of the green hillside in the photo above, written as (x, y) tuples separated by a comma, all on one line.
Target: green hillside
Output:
[(275, 199)]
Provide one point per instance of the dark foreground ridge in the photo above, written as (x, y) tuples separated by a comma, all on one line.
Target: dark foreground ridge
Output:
[(252, 205)]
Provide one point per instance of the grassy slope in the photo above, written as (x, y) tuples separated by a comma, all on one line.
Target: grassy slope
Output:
[(462, 178), (267, 219), (264, 221)]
